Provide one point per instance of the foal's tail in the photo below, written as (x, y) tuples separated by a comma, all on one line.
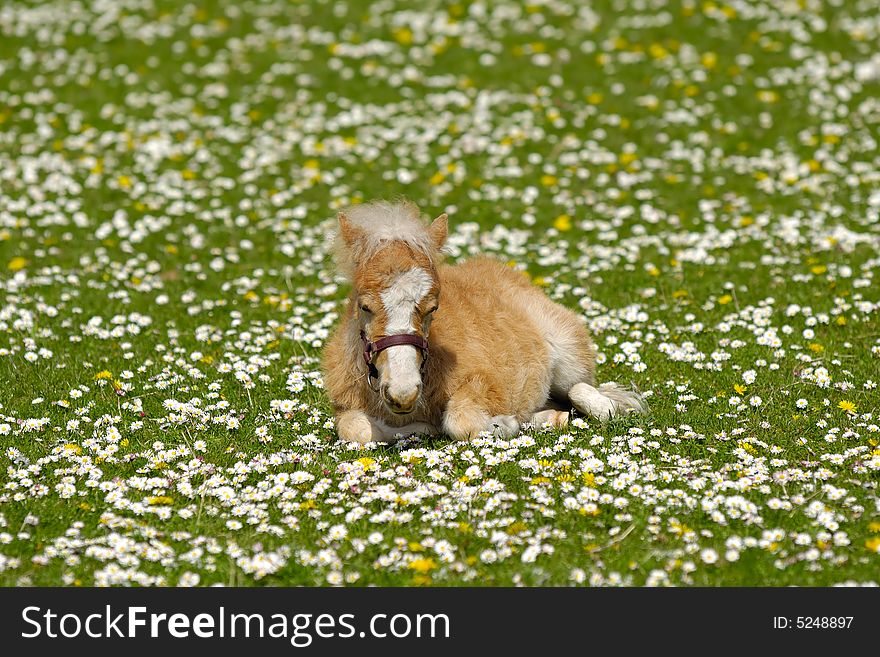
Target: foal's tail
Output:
[(607, 401)]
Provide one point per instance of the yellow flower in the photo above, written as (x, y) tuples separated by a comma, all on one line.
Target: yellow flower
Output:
[(815, 347), (562, 223), (657, 51), (124, 182), (873, 544), (159, 499), (847, 406), (416, 547), (437, 178), (18, 263), (627, 158), (366, 461), (724, 300), (423, 565), (403, 36), (104, 374), (548, 180), (739, 388)]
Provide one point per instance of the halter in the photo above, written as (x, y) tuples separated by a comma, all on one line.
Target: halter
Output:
[(373, 349)]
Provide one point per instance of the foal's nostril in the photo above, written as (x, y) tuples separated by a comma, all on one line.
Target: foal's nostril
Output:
[(401, 400)]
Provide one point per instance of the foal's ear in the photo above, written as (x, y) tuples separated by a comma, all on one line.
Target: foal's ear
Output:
[(347, 230), (438, 230)]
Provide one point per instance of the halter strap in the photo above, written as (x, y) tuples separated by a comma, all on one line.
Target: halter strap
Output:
[(374, 348)]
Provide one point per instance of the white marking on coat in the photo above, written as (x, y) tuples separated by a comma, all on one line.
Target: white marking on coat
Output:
[(400, 301)]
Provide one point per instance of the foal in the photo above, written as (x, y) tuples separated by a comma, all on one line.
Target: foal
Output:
[(426, 348)]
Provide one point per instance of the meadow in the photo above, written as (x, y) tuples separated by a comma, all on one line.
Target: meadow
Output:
[(700, 180)]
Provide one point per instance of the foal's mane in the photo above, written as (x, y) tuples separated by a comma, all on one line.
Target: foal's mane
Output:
[(377, 223)]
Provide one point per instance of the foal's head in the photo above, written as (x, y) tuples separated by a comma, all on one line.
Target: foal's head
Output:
[(392, 258)]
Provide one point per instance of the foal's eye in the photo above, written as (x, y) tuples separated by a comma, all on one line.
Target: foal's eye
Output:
[(366, 309), (431, 311)]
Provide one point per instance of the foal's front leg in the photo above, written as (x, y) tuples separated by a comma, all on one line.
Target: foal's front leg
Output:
[(466, 417), (358, 427)]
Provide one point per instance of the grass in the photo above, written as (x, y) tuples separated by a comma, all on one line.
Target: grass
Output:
[(698, 179)]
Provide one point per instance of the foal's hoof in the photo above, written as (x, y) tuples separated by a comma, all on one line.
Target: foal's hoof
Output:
[(355, 428), (503, 426), (550, 418)]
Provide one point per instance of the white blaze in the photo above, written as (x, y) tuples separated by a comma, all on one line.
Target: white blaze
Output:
[(400, 301)]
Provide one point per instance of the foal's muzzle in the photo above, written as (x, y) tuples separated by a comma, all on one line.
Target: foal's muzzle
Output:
[(373, 349), (400, 404)]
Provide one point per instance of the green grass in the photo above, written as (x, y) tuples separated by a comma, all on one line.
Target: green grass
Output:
[(695, 179)]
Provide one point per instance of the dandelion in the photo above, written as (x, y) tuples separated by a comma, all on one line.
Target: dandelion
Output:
[(422, 565), (562, 223)]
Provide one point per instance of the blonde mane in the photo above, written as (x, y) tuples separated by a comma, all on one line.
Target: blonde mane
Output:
[(377, 224)]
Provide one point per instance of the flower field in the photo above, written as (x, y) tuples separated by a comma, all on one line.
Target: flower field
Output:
[(700, 180)]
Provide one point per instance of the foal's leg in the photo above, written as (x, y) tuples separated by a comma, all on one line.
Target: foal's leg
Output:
[(607, 401), (573, 367), (358, 427), (466, 417), (550, 417)]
